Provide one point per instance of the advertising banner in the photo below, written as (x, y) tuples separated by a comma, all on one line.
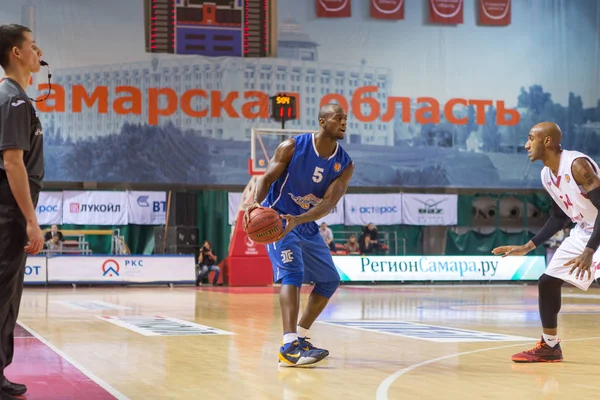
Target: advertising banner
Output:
[(387, 9), (336, 216), (146, 208), (241, 245), (49, 208), (95, 208), (35, 270), (429, 209), (494, 12), (334, 8), (121, 269), (409, 126), (380, 209), (234, 199), (446, 11), (439, 268), (247, 263)]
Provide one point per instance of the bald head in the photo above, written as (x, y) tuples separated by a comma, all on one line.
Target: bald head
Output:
[(549, 130), (543, 142), (329, 109)]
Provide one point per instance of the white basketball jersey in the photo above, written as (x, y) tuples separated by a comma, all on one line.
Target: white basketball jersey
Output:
[(568, 194)]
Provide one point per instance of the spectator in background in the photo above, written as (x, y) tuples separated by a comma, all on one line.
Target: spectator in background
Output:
[(365, 243), (371, 231), (54, 239), (327, 236), (352, 246), (207, 262), (121, 246)]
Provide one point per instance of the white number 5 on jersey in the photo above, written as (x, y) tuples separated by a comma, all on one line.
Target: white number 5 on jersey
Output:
[(318, 175)]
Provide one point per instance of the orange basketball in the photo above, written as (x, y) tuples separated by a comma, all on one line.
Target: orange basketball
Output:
[(264, 225)]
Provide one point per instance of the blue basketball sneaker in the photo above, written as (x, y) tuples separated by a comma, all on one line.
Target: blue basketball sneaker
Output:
[(295, 354), (306, 345)]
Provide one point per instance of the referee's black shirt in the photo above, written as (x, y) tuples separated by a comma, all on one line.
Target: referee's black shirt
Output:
[(20, 128)]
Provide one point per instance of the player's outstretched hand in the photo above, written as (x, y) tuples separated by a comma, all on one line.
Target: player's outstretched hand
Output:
[(511, 250), (581, 264), (290, 222), (249, 209)]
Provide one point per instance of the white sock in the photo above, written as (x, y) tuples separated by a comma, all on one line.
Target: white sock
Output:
[(289, 338), (302, 333), (550, 340)]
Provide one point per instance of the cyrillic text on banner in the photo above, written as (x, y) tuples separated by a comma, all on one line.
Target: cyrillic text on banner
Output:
[(113, 269), (147, 208), (379, 209), (95, 208), (49, 208)]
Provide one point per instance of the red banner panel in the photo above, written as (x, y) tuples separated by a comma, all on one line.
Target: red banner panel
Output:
[(494, 12), (387, 9), (446, 11), (333, 8)]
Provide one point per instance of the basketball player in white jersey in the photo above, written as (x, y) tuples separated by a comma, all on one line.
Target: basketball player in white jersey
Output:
[(571, 179)]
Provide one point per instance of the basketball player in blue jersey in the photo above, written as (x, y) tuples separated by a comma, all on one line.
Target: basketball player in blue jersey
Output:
[(304, 181)]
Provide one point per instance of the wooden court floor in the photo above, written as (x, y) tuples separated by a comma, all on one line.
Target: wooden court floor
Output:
[(386, 342)]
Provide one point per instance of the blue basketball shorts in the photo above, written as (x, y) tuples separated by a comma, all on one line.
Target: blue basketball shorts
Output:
[(303, 257)]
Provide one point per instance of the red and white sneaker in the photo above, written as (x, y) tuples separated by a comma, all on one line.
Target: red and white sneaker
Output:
[(540, 353)]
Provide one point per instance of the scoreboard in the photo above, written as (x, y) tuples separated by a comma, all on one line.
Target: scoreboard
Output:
[(215, 28), (283, 107)]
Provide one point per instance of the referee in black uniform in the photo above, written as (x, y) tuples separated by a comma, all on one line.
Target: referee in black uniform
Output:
[(21, 174)]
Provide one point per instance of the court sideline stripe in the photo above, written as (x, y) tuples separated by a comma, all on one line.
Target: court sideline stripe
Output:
[(387, 382), (81, 368)]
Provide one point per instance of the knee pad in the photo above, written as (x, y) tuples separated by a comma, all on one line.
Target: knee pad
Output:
[(293, 278), (549, 300), (326, 289), (549, 285)]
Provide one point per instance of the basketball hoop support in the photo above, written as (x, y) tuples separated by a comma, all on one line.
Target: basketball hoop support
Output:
[(261, 149), (251, 169), (282, 138)]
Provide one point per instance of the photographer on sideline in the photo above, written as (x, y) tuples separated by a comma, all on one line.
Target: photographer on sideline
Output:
[(207, 262)]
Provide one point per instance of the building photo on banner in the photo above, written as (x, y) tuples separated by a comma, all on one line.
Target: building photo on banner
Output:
[(408, 125)]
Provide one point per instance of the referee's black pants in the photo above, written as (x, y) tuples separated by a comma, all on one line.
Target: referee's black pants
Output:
[(13, 238)]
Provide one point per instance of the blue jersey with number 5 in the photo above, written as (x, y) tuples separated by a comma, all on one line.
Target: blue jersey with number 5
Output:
[(307, 177)]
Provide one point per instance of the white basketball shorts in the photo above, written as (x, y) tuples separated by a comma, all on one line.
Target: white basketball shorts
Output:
[(570, 248)]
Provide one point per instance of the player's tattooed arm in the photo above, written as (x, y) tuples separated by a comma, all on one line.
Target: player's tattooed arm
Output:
[(277, 166), (584, 174), (332, 196)]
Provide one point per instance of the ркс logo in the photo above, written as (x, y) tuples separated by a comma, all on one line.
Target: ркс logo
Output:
[(110, 268)]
